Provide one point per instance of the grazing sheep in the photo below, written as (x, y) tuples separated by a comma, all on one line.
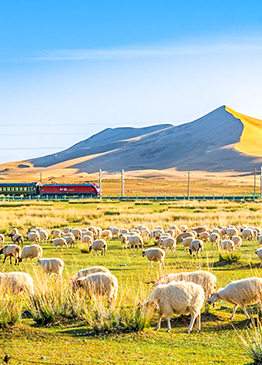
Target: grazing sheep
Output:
[(260, 239), (171, 232), (248, 234), (214, 238), (156, 233), (59, 242), (162, 237), (56, 233), (66, 229), (195, 247), (231, 231), (15, 231), (134, 230), (2, 239), (87, 239), (174, 227), (169, 243), (259, 254), (11, 251), (94, 230), (227, 245), (90, 270), (215, 230), (183, 228), (178, 298), (17, 238), (99, 245), (115, 231), (181, 236), (77, 233), (99, 284), (124, 231), (187, 241), (199, 230), (145, 233), (240, 293), (52, 266), (43, 235), (107, 234), (237, 241), (16, 283), (204, 278), (31, 252), (135, 241), (124, 240), (155, 255), (70, 240), (33, 236), (89, 233), (204, 236)]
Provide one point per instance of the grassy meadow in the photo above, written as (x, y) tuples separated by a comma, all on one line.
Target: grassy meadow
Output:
[(73, 330)]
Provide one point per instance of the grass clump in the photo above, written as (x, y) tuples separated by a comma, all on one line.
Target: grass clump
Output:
[(252, 341), (11, 309), (111, 213), (229, 256)]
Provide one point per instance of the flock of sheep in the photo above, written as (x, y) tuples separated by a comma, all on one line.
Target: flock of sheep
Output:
[(175, 293)]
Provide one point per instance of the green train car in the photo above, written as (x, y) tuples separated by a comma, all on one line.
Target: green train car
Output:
[(19, 188)]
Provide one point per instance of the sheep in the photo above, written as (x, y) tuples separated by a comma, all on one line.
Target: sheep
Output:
[(77, 233), (52, 266), (94, 231), (33, 236), (156, 233), (171, 232), (227, 245), (174, 227), (31, 252), (59, 242), (115, 231), (183, 228), (124, 231), (56, 233), (99, 245), (259, 254), (204, 236), (204, 278), (260, 239), (107, 234), (66, 229), (181, 236), (156, 255), (195, 247), (169, 243), (201, 229), (135, 241), (12, 251), (248, 234), (43, 235), (134, 230), (223, 231), (187, 241), (70, 240), (178, 298), (87, 239), (214, 238), (237, 241), (240, 293), (145, 233), (231, 231), (16, 283), (124, 240), (215, 230), (162, 237), (90, 270), (99, 231), (15, 231), (89, 233), (2, 239), (17, 238), (99, 284)]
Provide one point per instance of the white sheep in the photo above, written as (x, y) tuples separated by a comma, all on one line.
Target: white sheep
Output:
[(135, 241), (43, 235), (52, 266), (260, 239), (259, 254), (231, 231), (66, 229), (187, 241), (56, 233), (77, 232), (240, 293), (99, 284), (227, 245), (107, 234), (237, 241), (183, 228), (204, 278), (59, 242), (169, 243), (124, 240), (99, 245), (205, 236), (17, 238), (70, 240), (90, 270), (11, 251), (123, 231), (2, 239), (15, 231), (16, 283), (115, 231), (86, 239), (181, 236), (247, 234), (155, 255), (195, 247), (31, 252), (214, 238), (33, 236), (178, 298)]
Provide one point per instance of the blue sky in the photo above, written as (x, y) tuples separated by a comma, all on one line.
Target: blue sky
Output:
[(71, 68)]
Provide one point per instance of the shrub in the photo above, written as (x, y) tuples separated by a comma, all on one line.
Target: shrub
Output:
[(229, 256)]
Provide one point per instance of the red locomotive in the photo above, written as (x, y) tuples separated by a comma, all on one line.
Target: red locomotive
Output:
[(85, 190)]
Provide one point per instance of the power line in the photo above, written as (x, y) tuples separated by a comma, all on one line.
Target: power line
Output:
[(32, 148)]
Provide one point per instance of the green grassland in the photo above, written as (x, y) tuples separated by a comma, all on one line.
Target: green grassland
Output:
[(74, 343)]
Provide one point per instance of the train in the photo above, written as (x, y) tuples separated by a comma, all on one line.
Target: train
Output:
[(34, 189)]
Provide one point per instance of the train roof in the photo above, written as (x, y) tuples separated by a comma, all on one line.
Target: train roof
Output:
[(18, 184), (87, 184)]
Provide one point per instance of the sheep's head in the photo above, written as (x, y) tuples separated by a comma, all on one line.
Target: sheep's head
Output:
[(214, 297), (143, 253)]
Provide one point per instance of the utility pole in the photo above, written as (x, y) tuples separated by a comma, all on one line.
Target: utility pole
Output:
[(122, 183), (41, 178), (255, 178), (100, 183), (188, 185)]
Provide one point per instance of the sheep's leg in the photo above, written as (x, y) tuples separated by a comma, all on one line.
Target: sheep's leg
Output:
[(199, 323), (193, 318), (158, 326), (168, 324), (245, 311), (4, 259), (234, 311), (10, 260), (162, 262), (151, 265)]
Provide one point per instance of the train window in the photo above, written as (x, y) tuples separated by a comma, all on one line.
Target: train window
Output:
[(25, 189), (12, 189), (0, 189), (4, 189), (8, 189), (16, 189)]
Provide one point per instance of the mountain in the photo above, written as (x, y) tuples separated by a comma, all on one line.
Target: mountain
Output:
[(219, 141)]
